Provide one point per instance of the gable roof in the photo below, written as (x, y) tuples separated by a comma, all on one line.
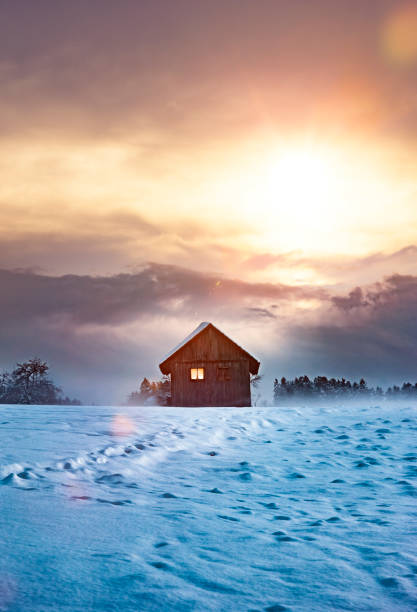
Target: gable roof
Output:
[(254, 363)]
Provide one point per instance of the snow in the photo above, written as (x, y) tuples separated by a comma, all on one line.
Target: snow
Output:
[(109, 508)]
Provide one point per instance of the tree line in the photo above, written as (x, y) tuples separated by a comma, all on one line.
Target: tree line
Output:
[(321, 387), (157, 393), (29, 383)]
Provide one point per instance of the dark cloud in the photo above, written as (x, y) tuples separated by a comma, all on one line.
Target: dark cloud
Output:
[(355, 299), (112, 300), (261, 312), (396, 291), (102, 333), (372, 333)]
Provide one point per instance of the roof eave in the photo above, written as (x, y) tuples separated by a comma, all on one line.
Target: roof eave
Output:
[(254, 366), (164, 369)]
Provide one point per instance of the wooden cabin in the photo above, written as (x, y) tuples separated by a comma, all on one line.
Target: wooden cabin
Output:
[(208, 369)]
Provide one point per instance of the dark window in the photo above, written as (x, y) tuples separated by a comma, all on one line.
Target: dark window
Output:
[(223, 373)]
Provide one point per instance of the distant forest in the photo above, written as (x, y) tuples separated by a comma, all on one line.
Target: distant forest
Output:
[(29, 383), (286, 391), (321, 387)]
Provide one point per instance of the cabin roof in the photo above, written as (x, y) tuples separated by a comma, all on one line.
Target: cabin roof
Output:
[(254, 363), (186, 340)]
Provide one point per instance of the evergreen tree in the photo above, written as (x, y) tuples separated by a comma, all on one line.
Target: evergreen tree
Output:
[(151, 393)]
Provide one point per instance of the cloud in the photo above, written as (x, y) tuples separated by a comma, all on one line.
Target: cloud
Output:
[(395, 291), (371, 332), (110, 300), (338, 270), (355, 299), (261, 312), (102, 70), (101, 334)]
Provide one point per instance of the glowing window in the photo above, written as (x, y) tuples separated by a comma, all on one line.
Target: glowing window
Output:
[(197, 373)]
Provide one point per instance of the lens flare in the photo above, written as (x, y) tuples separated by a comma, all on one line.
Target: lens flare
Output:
[(122, 426), (399, 34)]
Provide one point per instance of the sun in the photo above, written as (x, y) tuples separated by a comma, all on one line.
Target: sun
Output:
[(312, 197), (300, 182), (301, 199)]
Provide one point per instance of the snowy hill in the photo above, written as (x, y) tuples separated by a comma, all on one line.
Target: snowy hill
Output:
[(109, 508)]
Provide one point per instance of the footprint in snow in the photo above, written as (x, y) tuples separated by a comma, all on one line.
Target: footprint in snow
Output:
[(372, 460), (110, 479), (296, 475), (160, 565), (388, 582), (245, 476), (284, 538), (117, 502)]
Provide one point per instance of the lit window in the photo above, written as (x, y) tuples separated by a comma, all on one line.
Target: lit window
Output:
[(197, 373)]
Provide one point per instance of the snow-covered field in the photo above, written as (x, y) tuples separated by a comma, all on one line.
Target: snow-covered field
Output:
[(273, 509)]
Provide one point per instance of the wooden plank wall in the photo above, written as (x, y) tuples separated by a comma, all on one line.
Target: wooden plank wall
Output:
[(209, 350)]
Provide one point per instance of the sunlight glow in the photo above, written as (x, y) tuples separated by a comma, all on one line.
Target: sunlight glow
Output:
[(316, 194), (313, 197), (302, 181)]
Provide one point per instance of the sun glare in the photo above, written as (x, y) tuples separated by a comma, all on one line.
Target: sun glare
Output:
[(314, 198), (299, 179), (300, 191)]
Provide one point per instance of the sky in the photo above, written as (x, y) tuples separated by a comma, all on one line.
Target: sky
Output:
[(250, 163)]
